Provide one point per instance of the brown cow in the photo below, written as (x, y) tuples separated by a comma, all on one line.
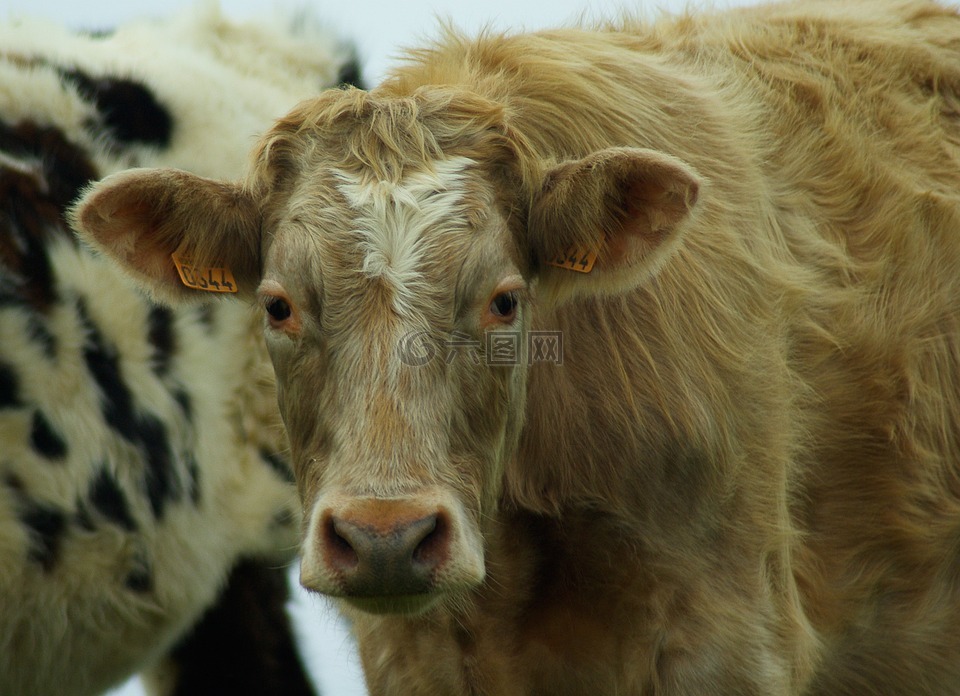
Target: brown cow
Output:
[(744, 478)]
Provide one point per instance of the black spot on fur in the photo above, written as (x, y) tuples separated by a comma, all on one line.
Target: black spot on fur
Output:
[(140, 578), (83, 518), (47, 525), (64, 167), (25, 272), (14, 483), (130, 111), (145, 431), (206, 315), (350, 74), (98, 34), (46, 172), (103, 363), (161, 481), (9, 387), (244, 644), (107, 498), (40, 334), (279, 465), (9, 290), (184, 401), (193, 479), (161, 336), (45, 440), (285, 518)]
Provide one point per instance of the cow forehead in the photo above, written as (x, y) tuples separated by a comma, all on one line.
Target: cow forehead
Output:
[(408, 232), (433, 183)]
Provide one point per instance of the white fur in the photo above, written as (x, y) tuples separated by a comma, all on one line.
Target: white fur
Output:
[(75, 630), (398, 221), (225, 81)]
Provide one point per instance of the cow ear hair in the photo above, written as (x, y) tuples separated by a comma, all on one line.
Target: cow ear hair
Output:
[(147, 219), (605, 223)]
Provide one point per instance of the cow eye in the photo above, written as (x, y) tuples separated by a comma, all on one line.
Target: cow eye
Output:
[(282, 313), (278, 309), (504, 305)]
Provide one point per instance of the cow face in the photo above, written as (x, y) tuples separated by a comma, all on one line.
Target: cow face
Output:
[(397, 248), (378, 325)]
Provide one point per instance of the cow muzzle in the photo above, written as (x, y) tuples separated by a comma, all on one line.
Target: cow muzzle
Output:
[(390, 555)]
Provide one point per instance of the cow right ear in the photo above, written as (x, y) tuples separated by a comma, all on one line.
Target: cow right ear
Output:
[(604, 224), (181, 236)]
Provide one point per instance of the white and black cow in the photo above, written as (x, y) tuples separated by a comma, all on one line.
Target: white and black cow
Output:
[(146, 508)]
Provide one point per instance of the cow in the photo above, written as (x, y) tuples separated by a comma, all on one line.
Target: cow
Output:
[(615, 359), (147, 504)]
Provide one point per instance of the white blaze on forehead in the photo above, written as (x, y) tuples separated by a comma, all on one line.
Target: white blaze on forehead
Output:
[(399, 222)]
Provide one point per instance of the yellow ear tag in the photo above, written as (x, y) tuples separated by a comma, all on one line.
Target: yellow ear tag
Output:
[(574, 259), (206, 279)]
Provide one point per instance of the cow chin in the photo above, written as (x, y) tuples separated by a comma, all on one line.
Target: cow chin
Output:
[(410, 605)]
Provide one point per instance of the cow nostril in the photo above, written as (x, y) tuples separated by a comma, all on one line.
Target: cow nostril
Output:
[(378, 555), (432, 550), (340, 551)]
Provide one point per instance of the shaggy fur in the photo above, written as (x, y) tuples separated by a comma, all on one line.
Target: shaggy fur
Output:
[(141, 453), (745, 476)]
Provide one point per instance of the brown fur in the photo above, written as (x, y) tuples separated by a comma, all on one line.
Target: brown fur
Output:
[(745, 478)]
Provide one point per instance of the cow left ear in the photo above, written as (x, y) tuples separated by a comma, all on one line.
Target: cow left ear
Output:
[(604, 223), (181, 236)]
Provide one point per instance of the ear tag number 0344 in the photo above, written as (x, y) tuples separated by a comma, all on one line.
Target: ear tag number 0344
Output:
[(215, 279), (575, 259)]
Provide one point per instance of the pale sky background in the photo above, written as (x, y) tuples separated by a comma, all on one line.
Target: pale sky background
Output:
[(379, 28)]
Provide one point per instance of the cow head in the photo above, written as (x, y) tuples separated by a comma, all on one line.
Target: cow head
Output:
[(391, 241)]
